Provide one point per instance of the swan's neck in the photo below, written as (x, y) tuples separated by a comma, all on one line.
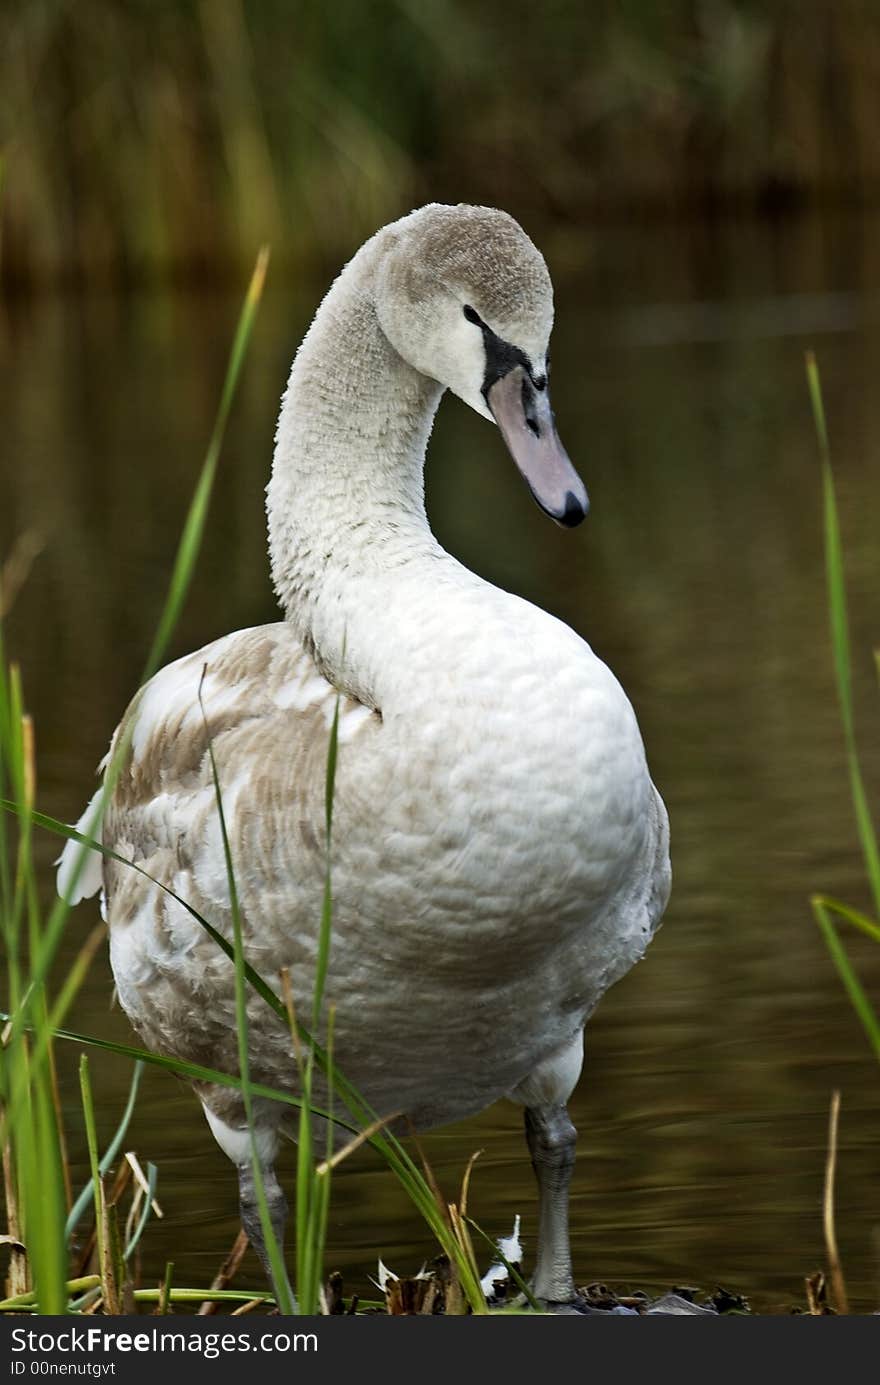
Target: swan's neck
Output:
[(346, 498)]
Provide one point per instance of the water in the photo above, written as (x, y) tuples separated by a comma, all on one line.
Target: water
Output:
[(679, 391)]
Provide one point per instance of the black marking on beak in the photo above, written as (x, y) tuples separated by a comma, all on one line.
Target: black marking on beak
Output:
[(501, 356), (519, 401), (530, 413), (526, 423), (575, 511)]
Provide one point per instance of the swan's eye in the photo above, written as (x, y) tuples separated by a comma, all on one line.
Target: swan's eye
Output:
[(473, 316)]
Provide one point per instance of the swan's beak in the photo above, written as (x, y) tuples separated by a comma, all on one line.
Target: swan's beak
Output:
[(525, 419)]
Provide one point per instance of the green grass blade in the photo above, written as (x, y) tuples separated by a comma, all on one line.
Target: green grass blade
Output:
[(312, 1187), (164, 1296), (326, 924), (195, 521), (29, 1129), (330, 773), (193, 1072), (304, 1189), (75, 977), (137, 1233), (513, 1273), (286, 1302), (321, 1179), (97, 1189), (5, 878), (49, 1251), (840, 642), (849, 915), (854, 989), (110, 1153), (203, 1296), (71, 1287), (31, 1302)]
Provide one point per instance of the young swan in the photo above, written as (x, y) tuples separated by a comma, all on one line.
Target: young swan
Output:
[(499, 854)]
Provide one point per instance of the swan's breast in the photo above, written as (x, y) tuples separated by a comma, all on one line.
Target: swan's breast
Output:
[(503, 808), (511, 731)]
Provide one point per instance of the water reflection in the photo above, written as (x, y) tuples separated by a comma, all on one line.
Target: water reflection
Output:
[(678, 382)]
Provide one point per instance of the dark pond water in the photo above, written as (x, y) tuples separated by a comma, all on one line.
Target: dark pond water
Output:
[(679, 390)]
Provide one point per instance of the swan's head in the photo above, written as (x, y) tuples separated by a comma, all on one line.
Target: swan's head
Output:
[(465, 297)]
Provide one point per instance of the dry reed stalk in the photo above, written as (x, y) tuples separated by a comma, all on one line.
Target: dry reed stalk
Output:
[(59, 1123), (355, 1143), (14, 572), (429, 1173), (165, 1290), (17, 1281), (291, 1018), (248, 1307), (817, 1297), (107, 1259), (142, 1181), (226, 1273), (835, 1272)]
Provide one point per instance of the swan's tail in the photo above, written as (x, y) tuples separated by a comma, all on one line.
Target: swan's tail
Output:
[(91, 873)]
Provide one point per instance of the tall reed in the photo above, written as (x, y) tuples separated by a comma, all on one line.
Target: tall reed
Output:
[(829, 912), (39, 1219)]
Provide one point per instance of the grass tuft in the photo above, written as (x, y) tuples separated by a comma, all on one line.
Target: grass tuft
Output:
[(31, 1136)]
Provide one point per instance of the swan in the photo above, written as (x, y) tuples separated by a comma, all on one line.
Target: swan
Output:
[(500, 854)]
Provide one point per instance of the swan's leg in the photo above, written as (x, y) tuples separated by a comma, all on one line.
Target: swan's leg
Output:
[(551, 1139), (251, 1221), (235, 1141)]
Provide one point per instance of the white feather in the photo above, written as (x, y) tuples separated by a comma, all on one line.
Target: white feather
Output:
[(80, 867)]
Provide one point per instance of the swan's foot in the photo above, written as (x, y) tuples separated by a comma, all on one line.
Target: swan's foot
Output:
[(579, 1306), (575, 1307), (582, 1306)]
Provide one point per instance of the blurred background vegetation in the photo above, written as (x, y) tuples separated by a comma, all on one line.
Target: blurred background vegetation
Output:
[(154, 138)]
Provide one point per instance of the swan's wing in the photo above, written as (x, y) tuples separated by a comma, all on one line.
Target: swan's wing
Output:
[(267, 711)]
